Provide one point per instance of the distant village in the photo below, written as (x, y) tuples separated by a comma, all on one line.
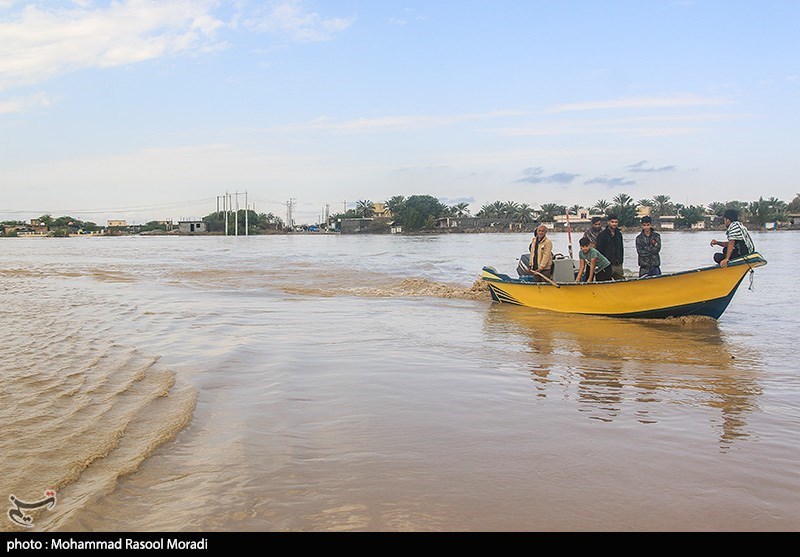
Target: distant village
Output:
[(426, 214)]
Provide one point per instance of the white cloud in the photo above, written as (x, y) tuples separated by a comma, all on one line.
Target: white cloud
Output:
[(25, 104), (293, 19), (392, 123), (40, 42), (670, 101)]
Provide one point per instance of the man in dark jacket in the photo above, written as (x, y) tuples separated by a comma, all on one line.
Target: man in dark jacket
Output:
[(609, 243), (648, 246)]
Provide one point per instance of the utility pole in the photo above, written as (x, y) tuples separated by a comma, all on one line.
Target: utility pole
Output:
[(291, 212), (236, 219), (246, 216), (225, 205)]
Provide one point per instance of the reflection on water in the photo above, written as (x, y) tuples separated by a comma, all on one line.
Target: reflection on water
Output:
[(622, 366)]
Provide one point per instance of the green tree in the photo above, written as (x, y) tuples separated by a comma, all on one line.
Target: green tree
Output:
[(662, 205), (483, 212), (549, 211), (794, 205), (779, 208), (492, 210), (766, 210), (624, 209), (690, 214), (509, 210), (461, 209), (258, 222), (601, 206), (364, 208), (716, 207), (153, 225), (421, 211), (525, 214), (396, 204)]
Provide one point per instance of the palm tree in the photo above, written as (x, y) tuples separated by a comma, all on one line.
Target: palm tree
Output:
[(574, 209), (691, 214), (646, 203), (395, 204), (491, 210), (663, 205), (779, 208), (624, 209), (497, 209), (550, 210), (766, 210), (741, 207), (623, 200), (717, 207), (525, 214), (365, 209), (601, 206), (461, 209), (509, 210)]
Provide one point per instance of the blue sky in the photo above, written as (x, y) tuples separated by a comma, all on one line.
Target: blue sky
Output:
[(150, 110)]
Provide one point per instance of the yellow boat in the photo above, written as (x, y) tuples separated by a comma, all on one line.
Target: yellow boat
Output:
[(705, 291)]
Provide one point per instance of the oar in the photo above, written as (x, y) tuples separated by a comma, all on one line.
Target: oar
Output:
[(569, 234), (546, 278)]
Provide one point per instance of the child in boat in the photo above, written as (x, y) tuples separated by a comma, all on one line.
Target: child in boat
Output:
[(599, 268)]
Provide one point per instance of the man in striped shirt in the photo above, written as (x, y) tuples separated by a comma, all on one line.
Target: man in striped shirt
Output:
[(739, 242)]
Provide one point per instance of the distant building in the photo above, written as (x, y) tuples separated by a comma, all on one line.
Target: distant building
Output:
[(667, 222), (192, 226), (458, 222), (117, 223), (353, 226), (380, 210)]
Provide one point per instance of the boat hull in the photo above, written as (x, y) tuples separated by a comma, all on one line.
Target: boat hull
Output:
[(707, 291)]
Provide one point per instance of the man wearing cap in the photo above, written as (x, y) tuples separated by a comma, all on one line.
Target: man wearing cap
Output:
[(648, 246)]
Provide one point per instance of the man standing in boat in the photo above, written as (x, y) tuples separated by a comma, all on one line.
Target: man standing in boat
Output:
[(541, 257), (591, 234), (609, 243), (594, 231), (648, 246), (739, 242)]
